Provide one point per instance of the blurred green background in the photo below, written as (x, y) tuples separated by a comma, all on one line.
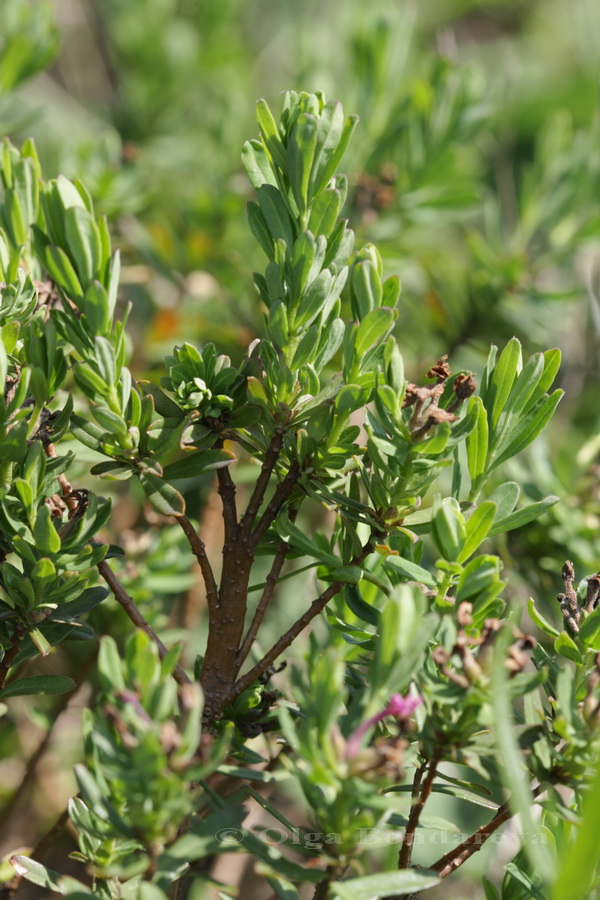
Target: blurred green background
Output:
[(475, 167)]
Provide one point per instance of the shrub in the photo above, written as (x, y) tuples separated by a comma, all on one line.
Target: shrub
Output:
[(418, 663)]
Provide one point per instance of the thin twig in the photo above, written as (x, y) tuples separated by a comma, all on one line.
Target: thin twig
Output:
[(275, 504), (322, 889), (419, 801), (460, 854), (199, 550), (136, 617), (262, 482), (262, 605), (292, 633)]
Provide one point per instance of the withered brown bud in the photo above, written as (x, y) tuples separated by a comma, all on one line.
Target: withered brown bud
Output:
[(440, 655), (463, 614), (464, 386), (437, 416), (410, 396), (592, 596), (441, 370), (568, 572)]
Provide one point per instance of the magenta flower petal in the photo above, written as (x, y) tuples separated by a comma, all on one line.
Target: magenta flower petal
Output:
[(400, 707)]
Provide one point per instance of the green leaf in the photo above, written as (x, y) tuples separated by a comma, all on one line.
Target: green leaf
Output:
[(62, 271), (325, 211), (449, 531), (314, 299), (96, 309), (294, 536), (366, 288), (37, 873), (105, 357), (198, 464), (477, 444), (270, 133), (506, 497), (551, 366), (523, 516), (539, 620), (383, 884), (589, 630), (256, 164), (38, 684), (275, 213), (110, 667), (46, 536), (410, 570), (300, 152), (163, 405), (529, 428), (566, 646), (478, 527), (502, 381), (163, 496), (259, 229), (83, 239), (350, 398), (373, 329)]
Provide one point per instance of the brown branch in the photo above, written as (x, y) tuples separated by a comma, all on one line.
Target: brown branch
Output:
[(263, 603), (199, 550), (226, 491), (297, 628), (452, 860), (419, 801), (275, 504), (322, 889), (136, 617), (262, 482)]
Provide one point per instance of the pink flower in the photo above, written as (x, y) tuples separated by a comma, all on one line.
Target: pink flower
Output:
[(398, 706)]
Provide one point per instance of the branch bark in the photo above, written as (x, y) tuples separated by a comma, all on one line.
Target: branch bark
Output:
[(292, 633), (199, 550), (274, 506), (262, 606), (226, 621), (136, 617), (452, 860), (262, 482), (419, 801)]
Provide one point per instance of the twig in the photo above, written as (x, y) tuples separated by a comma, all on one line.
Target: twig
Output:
[(419, 801), (262, 482), (199, 550), (136, 617), (226, 491), (292, 633), (322, 889), (263, 603), (275, 504), (460, 854)]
